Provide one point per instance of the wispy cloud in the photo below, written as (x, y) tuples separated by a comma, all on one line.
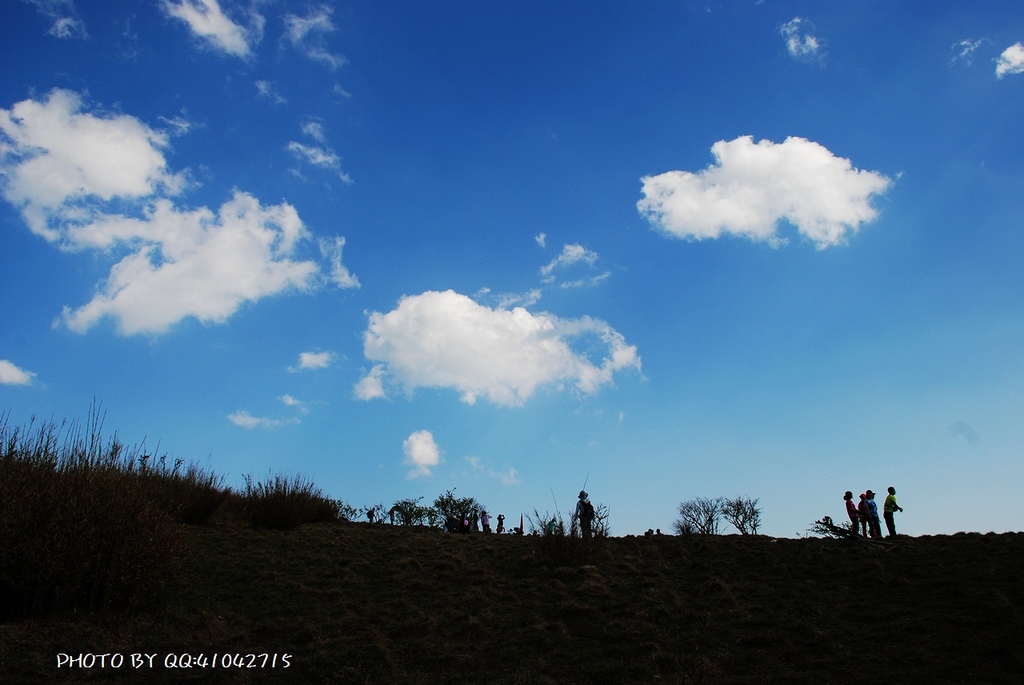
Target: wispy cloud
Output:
[(800, 42), (338, 273), (12, 375), (541, 239), (308, 34), (268, 90), (570, 256), (1011, 61), (320, 155), (753, 186), (244, 419), (963, 50), (446, 340), (964, 430), (422, 453), (207, 21), (64, 17)]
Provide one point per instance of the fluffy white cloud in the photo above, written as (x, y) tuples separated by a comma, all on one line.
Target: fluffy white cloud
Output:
[(206, 20), (1011, 61), (308, 35), (100, 182), (371, 386), (194, 264), (800, 43), (12, 375), (57, 161), (446, 340), (422, 453), (752, 186), (311, 361)]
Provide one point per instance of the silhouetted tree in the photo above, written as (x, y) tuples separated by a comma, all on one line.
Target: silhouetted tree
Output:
[(701, 515), (743, 513)]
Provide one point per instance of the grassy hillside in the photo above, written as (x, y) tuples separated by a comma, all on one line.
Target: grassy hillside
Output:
[(355, 603)]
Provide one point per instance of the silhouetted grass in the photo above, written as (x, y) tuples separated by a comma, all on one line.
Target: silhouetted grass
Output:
[(283, 502), (86, 523)]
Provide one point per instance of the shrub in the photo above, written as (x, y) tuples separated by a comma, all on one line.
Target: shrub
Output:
[(409, 512), (283, 502), (448, 506)]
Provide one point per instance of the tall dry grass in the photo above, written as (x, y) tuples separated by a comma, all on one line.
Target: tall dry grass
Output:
[(87, 523), (283, 502)]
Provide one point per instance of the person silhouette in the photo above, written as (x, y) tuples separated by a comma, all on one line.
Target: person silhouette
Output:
[(851, 511), (889, 510)]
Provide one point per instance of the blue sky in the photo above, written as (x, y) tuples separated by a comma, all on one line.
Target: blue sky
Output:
[(684, 249)]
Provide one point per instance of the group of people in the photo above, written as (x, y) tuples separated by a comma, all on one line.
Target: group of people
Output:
[(864, 516)]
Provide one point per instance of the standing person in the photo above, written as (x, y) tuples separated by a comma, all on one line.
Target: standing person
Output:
[(585, 514), (874, 523), (851, 511), (889, 509), (485, 519), (501, 524), (863, 514)]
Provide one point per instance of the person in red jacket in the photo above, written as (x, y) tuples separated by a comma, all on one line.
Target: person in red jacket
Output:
[(851, 511)]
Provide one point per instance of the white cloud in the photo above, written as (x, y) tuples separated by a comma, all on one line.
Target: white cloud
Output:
[(541, 239), (446, 340), (308, 35), (422, 453), (322, 157), (571, 254), (12, 375), (269, 90), (100, 182), (194, 264), (339, 274), (207, 21), (799, 42), (63, 14), (315, 130), (371, 386), (751, 187), (510, 477), (1011, 61), (298, 405), (312, 361), (246, 420), (527, 299), (58, 162), (964, 50)]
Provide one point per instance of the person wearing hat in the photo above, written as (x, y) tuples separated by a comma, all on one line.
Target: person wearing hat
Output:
[(874, 523), (584, 514), (863, 514), (889, 509)]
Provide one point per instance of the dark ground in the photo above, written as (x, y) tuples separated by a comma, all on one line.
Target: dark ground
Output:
[(354, 603)]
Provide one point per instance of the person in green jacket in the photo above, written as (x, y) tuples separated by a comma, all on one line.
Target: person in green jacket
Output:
[(889, 509)]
